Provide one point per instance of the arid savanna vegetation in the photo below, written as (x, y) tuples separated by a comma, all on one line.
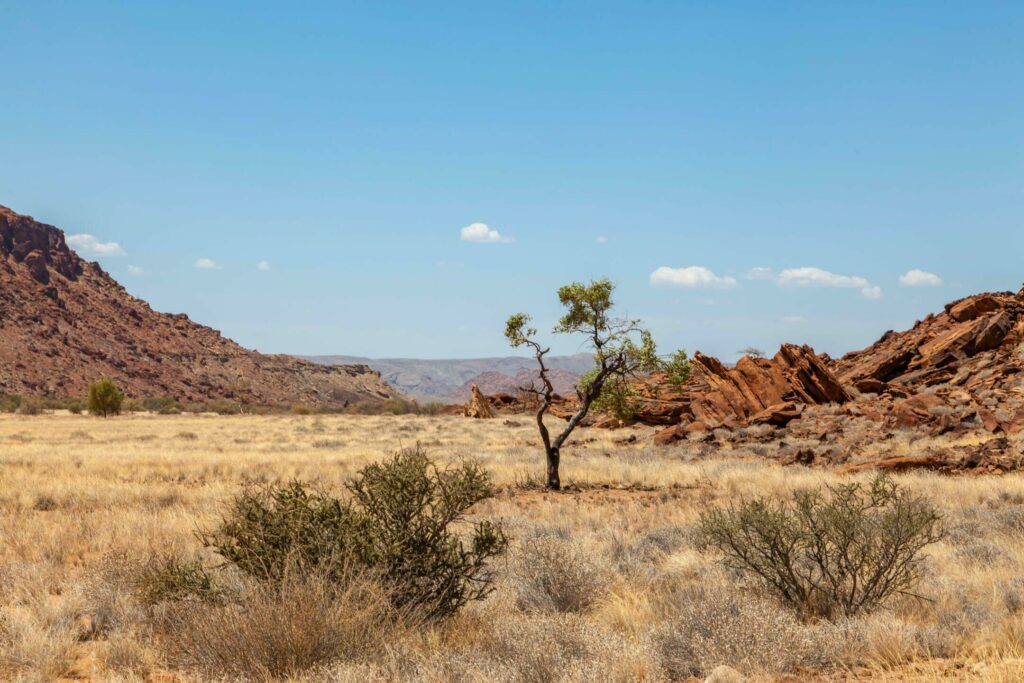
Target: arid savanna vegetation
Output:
[(104, 575)]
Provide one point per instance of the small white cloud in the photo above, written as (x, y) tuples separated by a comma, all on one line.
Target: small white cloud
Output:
[(920, 278), (135, 270), (90, 246), (760, 273), (691, 277), (872, 292), (263, 266), (207, 264), (481, 233), (601, 239), (794, 319), (816, 277)]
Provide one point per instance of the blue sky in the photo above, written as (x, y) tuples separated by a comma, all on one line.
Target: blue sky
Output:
[(673, 147)]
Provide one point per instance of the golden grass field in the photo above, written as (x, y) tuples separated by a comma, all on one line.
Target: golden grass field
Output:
[(81, 497)]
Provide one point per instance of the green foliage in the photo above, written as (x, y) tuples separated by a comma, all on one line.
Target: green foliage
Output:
[(173, 580), (400, 521), (9, 403), (105, 398), (587, 306), (677, 369), (828, 556), (30, 405), (75, 406), (164, 405), (617, 397)]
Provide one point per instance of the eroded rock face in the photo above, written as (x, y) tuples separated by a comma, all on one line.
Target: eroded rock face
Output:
[(756, 390), (64, 323), (478, 406)]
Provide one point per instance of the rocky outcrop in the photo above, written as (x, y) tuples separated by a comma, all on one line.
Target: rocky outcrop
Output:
[(478, 406), (754, 391), (64, 323)]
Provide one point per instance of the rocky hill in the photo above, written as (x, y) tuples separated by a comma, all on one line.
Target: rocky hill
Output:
[(65, 323), (448, 380), (953, 385)]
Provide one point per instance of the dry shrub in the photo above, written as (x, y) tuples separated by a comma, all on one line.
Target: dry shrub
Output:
[(555, 575), (833, 555), (710, 626), (555, 647), (302, 622), (34, 646)]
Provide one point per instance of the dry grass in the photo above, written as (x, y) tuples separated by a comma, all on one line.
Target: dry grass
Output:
[(85, 502)]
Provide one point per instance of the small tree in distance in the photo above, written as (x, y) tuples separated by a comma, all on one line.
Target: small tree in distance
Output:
[(622, 350), (105, 398)]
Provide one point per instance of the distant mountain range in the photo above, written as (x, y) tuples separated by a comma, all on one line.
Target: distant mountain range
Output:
[(449, 380)]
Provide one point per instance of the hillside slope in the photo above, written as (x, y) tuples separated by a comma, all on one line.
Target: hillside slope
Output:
[(65, 323)]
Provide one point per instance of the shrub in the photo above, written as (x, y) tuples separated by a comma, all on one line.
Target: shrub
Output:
[(709, 625), (677, 369), (104, 398), (173, 580), (826, 556), (75, 406), (557, 576), (30, 406), (162, 405), (283, 628), (398, 522), (9, 403)]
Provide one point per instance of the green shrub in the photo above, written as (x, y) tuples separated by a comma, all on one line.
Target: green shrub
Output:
[(130, 405), (75, 406), (221, 406), (300, 409), (833, 555), (173, 580), (617, 397), (677, 369), (105, 398), (9, 403), (30, 405), (399, 521), (164, 405)]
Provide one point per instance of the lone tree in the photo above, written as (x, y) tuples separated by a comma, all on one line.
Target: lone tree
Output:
[(622, 349), (105, 398)]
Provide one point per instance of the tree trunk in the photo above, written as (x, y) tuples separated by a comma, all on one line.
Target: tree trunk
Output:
[(554, 483)]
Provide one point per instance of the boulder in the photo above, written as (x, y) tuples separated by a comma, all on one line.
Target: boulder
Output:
[(779, 414)]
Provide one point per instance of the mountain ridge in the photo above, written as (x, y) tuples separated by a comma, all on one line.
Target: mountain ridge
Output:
[(65, 323)]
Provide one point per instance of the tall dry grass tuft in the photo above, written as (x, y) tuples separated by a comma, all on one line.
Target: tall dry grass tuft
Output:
[(281, 629)]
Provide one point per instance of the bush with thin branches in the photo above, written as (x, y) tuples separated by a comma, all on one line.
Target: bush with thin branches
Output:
[(401, 520), (834, 555)]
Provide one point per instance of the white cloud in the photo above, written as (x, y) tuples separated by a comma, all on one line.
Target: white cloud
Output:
[(920, 278), (207, 264), (481, 233), (135, 270), (601, 239), (794, 319), (90, 246), (816, 277), (760, 273), (872, 292), (263, 266), (691, 277)]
